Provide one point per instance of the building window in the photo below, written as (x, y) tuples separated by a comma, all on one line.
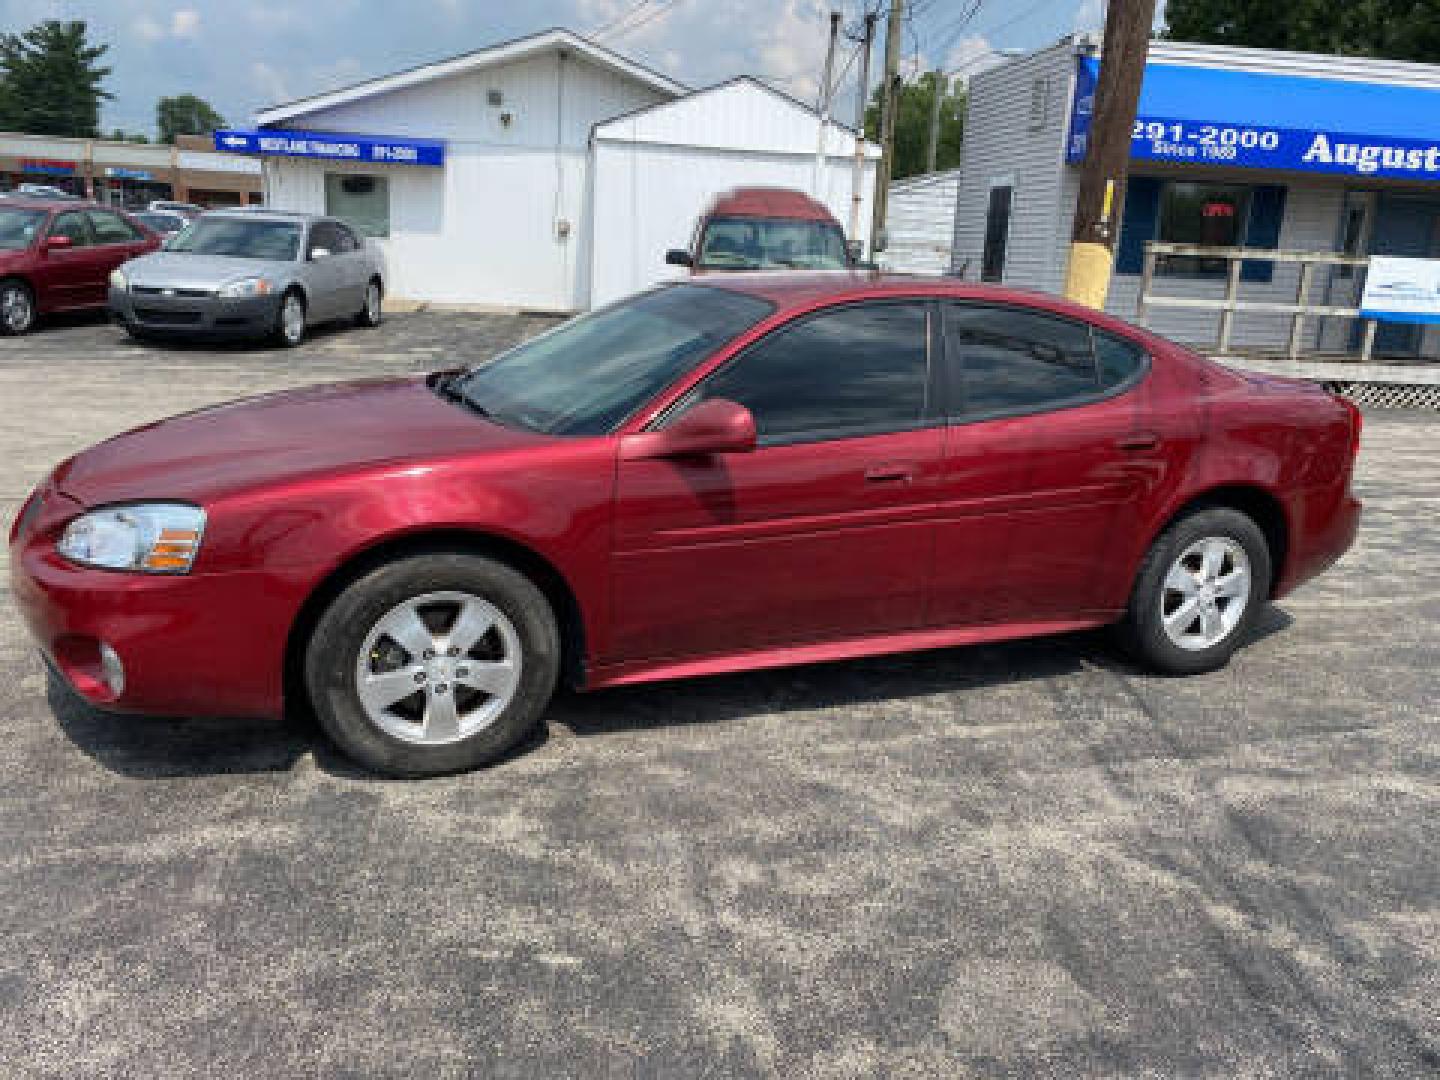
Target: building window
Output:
[(997, 233), (1211, 215), (360, 199)]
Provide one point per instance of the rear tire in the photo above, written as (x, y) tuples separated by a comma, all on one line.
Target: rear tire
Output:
[(290, 319), (371, 312), (1198, 592), (17, 308), (433, 664)]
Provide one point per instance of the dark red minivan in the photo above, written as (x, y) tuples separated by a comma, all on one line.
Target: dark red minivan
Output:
[(764, 228), (57, 255)]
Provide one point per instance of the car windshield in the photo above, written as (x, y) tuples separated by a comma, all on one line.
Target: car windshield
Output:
[(743, 243), (278, 241), (162, 223), (18, 227), (588, 375)]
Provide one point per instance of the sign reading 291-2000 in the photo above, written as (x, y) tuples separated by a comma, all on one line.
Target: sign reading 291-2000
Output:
[(1283, 148), (1206, 142)]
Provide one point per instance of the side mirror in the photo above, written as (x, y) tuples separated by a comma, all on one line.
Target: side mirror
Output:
[(678, 257), (58, 243), (316, 254), (716, 426)]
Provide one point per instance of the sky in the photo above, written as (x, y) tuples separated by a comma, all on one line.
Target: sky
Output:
[(245, 54)]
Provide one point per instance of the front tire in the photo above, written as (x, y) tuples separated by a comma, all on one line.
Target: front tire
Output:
[(290, 319), (1198, 592), (433, 664), (17, 308)]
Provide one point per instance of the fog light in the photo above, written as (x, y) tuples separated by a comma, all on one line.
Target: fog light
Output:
[(112, 669)]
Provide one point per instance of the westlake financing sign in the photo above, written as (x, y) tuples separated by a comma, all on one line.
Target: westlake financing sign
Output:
[(369, 149), (1255, 120)]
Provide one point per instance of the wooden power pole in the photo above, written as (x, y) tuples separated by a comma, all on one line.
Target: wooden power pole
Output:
[(889, 106), (862, 99), (1107, 151), (933, 145)]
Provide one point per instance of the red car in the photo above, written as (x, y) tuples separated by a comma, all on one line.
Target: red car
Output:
[(57, 255), (753, 471)]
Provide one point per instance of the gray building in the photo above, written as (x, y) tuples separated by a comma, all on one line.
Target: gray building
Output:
[(1232, 147)]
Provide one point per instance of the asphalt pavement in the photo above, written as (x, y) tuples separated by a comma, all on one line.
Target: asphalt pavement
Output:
[(1021, 860)]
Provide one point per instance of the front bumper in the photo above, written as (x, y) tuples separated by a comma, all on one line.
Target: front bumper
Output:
[(197, 315), (193, 644)]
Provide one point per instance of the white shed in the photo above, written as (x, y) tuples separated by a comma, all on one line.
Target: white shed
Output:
[(920, 222), (657, 170), (546, 173)]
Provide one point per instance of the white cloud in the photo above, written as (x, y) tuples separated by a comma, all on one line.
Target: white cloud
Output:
[(1090, 15), (269, 82), (185, 23), (147, 29)]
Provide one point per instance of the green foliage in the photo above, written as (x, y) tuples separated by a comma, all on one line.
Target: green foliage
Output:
[(1393, 29), (912, 126), (49, 81), (121, 135), (185, 114)]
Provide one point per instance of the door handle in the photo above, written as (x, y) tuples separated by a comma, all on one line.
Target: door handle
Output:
[(893, 473), (1138, 441)]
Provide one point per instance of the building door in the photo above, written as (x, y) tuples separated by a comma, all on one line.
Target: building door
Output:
[(1409, 229)]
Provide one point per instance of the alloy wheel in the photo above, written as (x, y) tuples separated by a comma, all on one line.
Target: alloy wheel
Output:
[(1206, 593), (372, 304), (437, 668), (292, 318), (16, 309)]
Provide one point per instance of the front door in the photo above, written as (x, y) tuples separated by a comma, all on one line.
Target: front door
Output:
[(1408, 229), (67, 278), (1046, 464), (822, 532)]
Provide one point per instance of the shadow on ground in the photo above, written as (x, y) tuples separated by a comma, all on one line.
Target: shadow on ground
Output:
[(148, 746)]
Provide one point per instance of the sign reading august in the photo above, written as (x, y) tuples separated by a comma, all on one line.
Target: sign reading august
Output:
[(1159, 136), (324, 144)]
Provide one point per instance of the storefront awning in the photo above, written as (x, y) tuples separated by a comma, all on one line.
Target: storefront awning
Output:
[(1258, 120), (333, 146)]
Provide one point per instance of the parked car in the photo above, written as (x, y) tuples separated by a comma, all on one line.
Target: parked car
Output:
[(763, 228), (161, 221), (743, 472), (169, 206), (247, 273), (57, 255), (44, 191)]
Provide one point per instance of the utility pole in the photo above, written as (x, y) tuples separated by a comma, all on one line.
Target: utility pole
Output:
[(1107, 151), (940, 87), (822, 106), (889, 102), (862, 99)]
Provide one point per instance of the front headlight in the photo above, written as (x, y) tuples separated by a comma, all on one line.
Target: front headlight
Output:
[(155, 538), (250, 286), (118, 280)]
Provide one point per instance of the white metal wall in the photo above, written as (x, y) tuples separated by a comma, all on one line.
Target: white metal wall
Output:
[(920, 223), (485, 228)]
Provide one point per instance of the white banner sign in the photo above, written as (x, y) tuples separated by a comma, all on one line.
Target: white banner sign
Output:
[(1402, 290)]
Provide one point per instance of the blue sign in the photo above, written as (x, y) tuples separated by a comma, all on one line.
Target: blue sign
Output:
[(368, 149), (1256, 120), (119, 173)]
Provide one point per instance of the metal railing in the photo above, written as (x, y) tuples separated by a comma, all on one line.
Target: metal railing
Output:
[(1228, 305)]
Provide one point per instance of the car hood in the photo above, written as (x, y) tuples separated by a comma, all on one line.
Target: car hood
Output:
[(187, 270), (260, 441)]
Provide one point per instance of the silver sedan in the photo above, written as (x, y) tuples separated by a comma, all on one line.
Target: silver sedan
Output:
[(247, 273)]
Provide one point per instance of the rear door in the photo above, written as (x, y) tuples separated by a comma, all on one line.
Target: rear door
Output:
[(824, 531), (1048, 459), (324, 271), (115, 241), (354, 275)]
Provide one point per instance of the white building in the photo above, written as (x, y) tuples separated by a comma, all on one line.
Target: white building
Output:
[(1232, 146), (545, 173), (920, 222)]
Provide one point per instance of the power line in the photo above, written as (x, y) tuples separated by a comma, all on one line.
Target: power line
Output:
[(655, 13)]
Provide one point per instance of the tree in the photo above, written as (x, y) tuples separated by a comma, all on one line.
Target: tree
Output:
[(185, 114), (1393, 29), (121, 135), (912, 126), (49, 81)]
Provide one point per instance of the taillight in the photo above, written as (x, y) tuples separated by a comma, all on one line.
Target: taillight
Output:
[(1357, 424)]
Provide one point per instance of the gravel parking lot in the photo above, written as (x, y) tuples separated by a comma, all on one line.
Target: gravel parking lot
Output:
[(1022, 860)]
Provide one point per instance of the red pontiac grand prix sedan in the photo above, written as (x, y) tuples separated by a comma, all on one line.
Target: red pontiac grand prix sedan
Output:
[(753, 471)]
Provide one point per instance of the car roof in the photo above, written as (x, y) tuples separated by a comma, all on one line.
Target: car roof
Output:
[(772, 202), (42, 202), (792, 291), (266, 214)]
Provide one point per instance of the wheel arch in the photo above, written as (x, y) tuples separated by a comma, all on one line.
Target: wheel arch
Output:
[(540, 570), (1255, 502)]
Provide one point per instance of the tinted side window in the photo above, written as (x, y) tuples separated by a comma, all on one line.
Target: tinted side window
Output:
[(1015, 361), (71, 224), (345, 239), (111, 228), (1118, 359), (856, 371), (322, 235)]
